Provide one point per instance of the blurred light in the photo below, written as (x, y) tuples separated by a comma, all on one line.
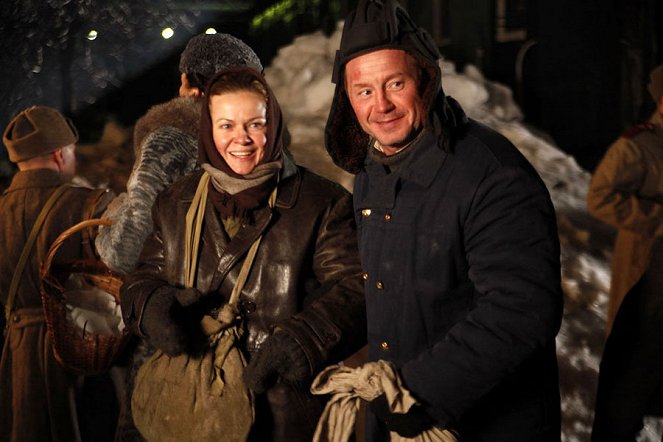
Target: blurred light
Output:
[(167, 33), (92, 35), (210, 31)]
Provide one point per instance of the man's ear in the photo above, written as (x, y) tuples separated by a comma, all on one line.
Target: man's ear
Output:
[(58, 158), (186, 90)]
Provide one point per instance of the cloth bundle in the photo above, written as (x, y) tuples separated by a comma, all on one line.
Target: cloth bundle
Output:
[(92, 309), (174, 395), (348, 386)]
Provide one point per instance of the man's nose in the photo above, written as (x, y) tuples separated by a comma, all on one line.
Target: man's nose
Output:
[(383, 103)]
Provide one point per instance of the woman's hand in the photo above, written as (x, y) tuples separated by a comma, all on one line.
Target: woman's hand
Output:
[(279, 355), (166, 323)]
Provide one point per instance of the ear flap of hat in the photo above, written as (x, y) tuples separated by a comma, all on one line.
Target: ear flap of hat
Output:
[(345, 140)]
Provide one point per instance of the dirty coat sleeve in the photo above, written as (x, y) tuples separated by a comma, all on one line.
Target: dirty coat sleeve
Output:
[(619, 193)]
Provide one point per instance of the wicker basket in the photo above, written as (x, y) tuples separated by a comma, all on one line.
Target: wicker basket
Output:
[(76, 349)]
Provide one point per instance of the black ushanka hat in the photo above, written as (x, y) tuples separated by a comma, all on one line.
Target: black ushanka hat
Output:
[(376, 25)]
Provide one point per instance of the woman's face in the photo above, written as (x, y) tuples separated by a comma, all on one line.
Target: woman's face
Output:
[(239, 129)]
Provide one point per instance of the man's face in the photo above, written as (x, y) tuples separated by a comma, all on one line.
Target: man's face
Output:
[(384, 94)]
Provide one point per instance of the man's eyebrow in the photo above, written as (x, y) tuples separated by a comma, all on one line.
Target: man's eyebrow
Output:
[(389, 78)]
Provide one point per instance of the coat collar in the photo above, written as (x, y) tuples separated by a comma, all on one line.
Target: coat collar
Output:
[(34, 178), (290, 178), (289, 184), (421, 170), (657, 120)]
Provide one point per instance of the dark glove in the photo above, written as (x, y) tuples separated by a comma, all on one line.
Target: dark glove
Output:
[(279, 355), (409, 424), (168, 325), (188, 296)]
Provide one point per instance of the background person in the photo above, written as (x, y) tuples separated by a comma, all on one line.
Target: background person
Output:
[(36, 393), (626, 191)]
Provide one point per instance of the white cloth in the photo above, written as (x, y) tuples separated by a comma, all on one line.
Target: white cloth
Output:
[(92, 309), (348, 386)]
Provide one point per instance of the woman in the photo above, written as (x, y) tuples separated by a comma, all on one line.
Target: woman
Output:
[(302, 303)]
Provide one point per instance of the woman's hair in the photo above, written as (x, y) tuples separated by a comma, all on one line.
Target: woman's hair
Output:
[(236, 82)]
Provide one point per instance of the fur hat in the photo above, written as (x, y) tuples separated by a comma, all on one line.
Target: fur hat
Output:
[(206, 54), (38, 130), (656, 83), (381, 24)]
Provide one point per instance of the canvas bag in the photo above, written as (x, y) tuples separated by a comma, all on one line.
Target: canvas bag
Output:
[(201, 398)]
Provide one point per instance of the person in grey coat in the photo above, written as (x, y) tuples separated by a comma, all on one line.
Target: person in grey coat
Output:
[(458, 243)]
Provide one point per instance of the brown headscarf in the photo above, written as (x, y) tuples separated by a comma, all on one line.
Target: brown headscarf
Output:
[(233, 194)]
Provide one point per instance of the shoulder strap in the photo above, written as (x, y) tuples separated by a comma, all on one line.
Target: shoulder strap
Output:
[(194, 223), (248, 261), (27, 248)]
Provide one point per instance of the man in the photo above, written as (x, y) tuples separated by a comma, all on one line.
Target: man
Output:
[(166, 148), (35, 401), (458, 243), (626, 191)]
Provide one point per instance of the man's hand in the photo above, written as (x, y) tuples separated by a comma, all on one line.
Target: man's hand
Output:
[(409, 424), (279, 355)]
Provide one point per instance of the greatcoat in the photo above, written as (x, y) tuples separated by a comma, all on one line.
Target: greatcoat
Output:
[(34, 388), (626, 191)]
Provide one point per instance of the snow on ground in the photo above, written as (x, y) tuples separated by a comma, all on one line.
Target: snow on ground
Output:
[(301, 78)]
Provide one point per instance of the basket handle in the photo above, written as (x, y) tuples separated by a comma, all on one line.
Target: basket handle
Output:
[(46, 266)]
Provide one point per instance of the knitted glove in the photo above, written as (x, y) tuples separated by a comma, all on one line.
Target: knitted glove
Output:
[(279, 355), (168, 325), (409, 424)]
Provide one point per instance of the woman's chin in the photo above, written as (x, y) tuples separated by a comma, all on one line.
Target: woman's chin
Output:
[(242, 169)]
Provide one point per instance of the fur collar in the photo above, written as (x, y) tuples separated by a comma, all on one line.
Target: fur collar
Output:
[(182, 113)]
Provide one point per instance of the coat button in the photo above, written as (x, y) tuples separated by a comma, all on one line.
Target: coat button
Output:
[(379, 285), (384, 345), (364, 276), (387, 217), (366, 212), (248, 307)]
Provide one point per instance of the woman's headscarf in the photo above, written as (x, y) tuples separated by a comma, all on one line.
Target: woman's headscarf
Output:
[(233, 194)]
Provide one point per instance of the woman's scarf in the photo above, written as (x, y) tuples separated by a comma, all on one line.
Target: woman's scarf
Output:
[(230, 193)]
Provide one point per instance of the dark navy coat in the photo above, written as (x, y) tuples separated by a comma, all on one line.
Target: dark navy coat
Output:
[(462, 277)]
